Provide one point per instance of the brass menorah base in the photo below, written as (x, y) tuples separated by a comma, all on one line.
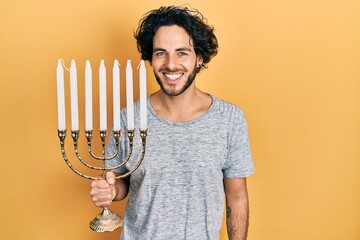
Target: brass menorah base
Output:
[(106, 221)]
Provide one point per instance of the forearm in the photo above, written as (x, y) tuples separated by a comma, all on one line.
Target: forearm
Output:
[(237, 208), (121, 189), (237, 218)]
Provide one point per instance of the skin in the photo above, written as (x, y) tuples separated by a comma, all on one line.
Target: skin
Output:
[(237, 208), (174, 61), (174, 64), (104, 192)]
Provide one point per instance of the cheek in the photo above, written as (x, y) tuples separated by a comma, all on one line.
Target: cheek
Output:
[(157, 62), (155, 65), (191, 65)]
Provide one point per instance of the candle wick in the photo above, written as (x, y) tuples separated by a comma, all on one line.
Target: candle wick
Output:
[(63, 63)]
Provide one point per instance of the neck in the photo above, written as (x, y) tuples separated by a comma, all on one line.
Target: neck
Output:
[(185, 107)]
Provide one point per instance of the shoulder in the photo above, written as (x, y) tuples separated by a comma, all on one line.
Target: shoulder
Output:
[(227, 109)]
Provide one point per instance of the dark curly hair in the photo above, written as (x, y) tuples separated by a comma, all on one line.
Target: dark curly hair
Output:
[(202, 34)]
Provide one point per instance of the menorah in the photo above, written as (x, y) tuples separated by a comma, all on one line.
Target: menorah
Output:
[(106, 220)]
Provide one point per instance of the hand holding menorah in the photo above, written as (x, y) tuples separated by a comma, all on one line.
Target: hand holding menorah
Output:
[(106, 220)]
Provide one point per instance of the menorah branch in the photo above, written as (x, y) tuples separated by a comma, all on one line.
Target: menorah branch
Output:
[(143, 135), (62, 136), (130, 135)]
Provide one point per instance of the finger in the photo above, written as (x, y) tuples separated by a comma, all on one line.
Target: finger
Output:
[(102, 203), (100, 184), (98, 192), (102, 198), (98, 196), (110, 177)]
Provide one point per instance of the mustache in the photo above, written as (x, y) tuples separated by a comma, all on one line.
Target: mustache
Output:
[(166, 69)]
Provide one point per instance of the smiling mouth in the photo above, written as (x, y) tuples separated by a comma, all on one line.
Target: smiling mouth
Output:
[(173, 76)]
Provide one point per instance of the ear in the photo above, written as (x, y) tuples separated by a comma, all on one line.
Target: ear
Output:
[(199, 60)]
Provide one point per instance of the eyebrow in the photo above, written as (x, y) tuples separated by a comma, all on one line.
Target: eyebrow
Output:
[(177, 50), (183, 49), (159, 49)]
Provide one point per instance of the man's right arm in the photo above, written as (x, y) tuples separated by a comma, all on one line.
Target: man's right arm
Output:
[(104, 191)]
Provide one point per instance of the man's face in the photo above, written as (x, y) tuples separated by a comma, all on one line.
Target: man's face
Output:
[(174, 60)]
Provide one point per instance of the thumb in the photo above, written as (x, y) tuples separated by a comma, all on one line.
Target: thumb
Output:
[(110, 177)]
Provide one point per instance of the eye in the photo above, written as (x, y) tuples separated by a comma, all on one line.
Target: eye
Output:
[(182, 54), (159, 53)]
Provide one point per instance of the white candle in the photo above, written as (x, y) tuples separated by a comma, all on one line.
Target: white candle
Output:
[(116, 95), (60, 96), (74, 97), (102, 87), (143, 100), (88, 97), (129, 96)]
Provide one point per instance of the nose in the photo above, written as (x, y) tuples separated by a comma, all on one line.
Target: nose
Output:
[(170, 62)]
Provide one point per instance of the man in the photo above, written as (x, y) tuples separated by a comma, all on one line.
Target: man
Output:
[(197, 144)]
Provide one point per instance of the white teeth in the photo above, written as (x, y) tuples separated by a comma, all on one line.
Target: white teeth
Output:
[(173, 76)]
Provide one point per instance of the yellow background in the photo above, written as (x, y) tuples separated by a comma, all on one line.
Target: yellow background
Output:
[(293, 67)]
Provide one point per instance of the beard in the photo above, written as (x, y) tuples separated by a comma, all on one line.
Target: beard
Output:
[(171, 92)]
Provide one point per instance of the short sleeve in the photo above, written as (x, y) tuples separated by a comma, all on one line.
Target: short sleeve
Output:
[(239, 162)]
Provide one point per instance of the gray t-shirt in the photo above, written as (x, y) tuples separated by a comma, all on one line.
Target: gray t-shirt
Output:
[(177, 192)]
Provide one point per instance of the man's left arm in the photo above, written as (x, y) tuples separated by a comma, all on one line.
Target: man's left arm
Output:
[(237, 208)]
